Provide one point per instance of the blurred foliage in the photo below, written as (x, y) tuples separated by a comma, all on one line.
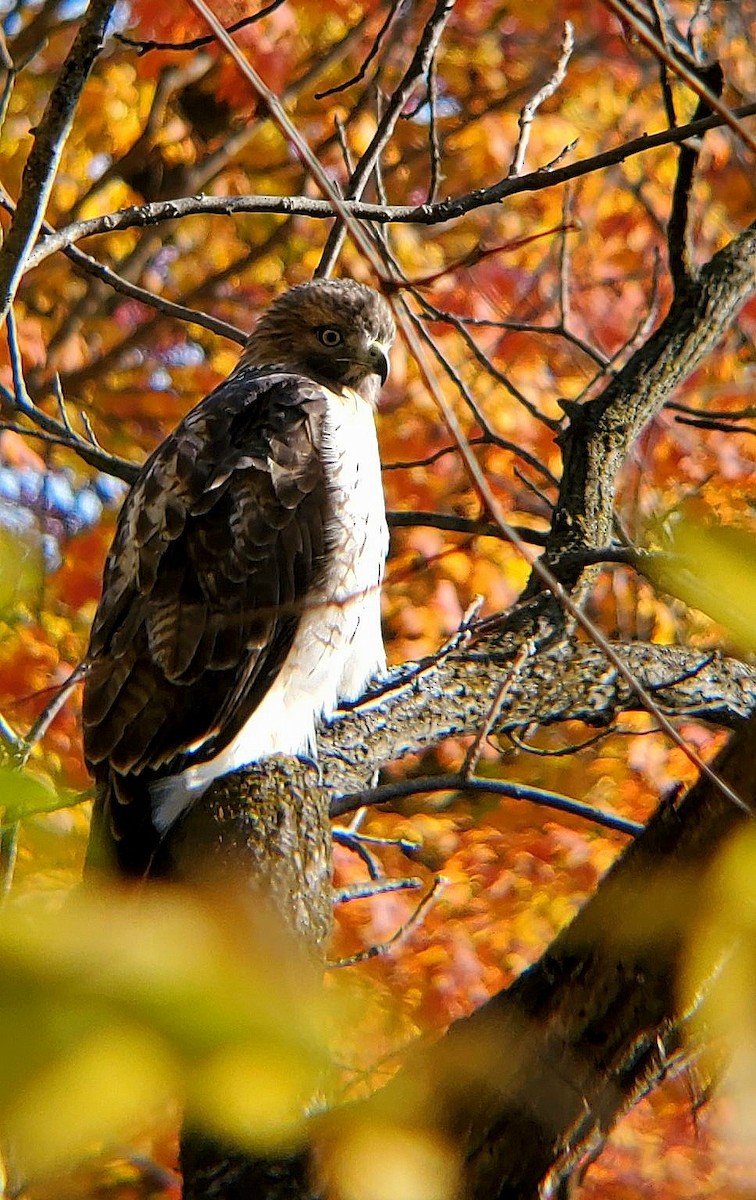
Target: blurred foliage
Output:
[(111, 1010), (718, 988), (111, 1005), (713, 569), (21, 569)]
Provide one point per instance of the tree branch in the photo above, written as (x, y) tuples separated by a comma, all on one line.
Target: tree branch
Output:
[(681, 69), (451, 694), (600, 432), (681, 264), (49, 140), (144, 47), (142, 215), (418, 67)]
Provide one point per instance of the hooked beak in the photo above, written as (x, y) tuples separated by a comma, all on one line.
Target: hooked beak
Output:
[(378, 357)]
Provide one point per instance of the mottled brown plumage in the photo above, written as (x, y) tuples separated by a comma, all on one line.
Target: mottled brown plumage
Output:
[(250, 548)]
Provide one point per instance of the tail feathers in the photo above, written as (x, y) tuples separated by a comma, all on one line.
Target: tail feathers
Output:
[(122, 837), (171, 796)]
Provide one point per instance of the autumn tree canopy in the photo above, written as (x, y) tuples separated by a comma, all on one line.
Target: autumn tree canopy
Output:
[(543, 862)]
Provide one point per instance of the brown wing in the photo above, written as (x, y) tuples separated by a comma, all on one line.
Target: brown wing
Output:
[(217, 545)]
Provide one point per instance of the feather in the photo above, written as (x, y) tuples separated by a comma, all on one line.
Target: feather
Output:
[(211, 643)]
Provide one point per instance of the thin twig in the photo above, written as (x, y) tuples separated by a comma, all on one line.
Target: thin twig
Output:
[(8, 85), (527, 114), (534, 489), (666, 87), (360, 74), (563, 751), (48, 714), (496, 374), (378, 887), (418, 67), (168, 308), (351, 840), (564, 258), (434, 147), (520, 327), (343, 144), (55, 431), (718, 414), (195, 43), (404, 679), (384, 947), (472, 758), (715, 426), (304, 152)]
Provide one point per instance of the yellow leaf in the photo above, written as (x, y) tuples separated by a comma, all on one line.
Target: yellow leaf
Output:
[(713, 569), (22, 794), (99, 1089), (21, 568)]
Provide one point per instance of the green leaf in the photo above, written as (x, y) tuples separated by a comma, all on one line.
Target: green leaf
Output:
[(21, 569), (713, 569), (22, 794)]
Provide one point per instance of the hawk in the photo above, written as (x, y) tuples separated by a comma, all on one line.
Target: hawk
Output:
[(241, 594)]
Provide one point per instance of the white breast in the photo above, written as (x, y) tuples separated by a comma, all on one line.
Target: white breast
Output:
[(338, 645)]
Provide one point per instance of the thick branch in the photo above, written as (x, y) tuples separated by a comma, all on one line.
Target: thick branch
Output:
[(600, 433), (281, 846), (562, 682)]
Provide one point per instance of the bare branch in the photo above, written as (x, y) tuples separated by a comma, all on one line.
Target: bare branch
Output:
[(377, 43), (472, 758), (721, 414), (716, 426), (680, 259), (464, 782), (413, 921), (680, 68), (434, 148), (195, 43), (289, 131), (485, 362), (56, 432), (661, 32), (411, 518), (450, 694), (527, 1087), (418, 67), (140, 216), (412, 332), (49, 140), (529, 111), (90, 266), (601, 431)]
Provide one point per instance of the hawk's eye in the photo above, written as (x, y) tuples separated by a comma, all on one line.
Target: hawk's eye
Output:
[(329, 336)]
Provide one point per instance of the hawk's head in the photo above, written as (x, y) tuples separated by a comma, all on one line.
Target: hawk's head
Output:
[(335, 330)]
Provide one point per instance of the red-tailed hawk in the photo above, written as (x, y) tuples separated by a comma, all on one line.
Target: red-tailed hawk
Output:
[(241, 595)]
